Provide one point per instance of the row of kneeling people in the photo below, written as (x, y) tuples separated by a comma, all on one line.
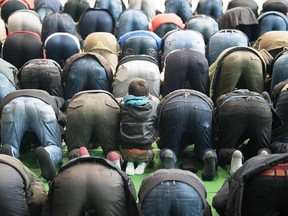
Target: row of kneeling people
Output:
[(240, 120), (95, 186)]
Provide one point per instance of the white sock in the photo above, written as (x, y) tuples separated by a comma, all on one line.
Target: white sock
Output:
[(263, 152), (117, 163), (130, 168), (236, 161), (140, 168)]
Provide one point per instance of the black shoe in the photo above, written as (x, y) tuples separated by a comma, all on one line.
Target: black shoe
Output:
[(209, 161), (266, 96), (286, 149), (6, 149), (225, 155), (46, 166), (188, 164), (74, 153), (168, 159)]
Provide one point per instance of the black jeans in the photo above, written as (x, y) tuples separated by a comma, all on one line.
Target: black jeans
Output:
[(242, 118), (266, 195), (21, 47), (279, 138), (186, 65)]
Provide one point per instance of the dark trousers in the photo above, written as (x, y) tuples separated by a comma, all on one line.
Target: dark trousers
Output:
[(91, 188), (266, 195), (12, 194), (42, 74), (93, 118), (186, 65), (280, 135), (21, 47), (240, 119)]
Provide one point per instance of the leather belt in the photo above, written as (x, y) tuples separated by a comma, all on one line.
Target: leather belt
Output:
[(275, 172)]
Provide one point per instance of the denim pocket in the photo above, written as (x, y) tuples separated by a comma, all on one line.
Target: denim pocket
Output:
[(170, 117), (46, 112), (8, 113)]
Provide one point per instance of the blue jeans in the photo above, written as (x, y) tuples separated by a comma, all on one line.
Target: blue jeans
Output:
[(61, 46), (31, 114), (86, 73), (95, 20), (56, 6), (43, 12), (222, 40), (115, 7), (182, 8), (165, 28), (6, 86), (206, 25), (183, 39), (141, 33), (132, 20), (62, 22), (140, 44), (211, 8), (172, 198), (186, 116), (145, 5), (272, 22), (279, 71)]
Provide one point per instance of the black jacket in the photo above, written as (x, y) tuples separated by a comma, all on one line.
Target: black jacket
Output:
[(228, 200), (138, 126)]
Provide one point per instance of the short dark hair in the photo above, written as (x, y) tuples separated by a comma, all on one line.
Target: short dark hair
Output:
[(138, 87)]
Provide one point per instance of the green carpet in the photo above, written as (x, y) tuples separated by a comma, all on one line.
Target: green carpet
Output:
[(29, 159)]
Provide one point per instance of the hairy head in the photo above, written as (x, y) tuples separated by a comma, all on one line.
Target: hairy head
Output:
[(138, 87)]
